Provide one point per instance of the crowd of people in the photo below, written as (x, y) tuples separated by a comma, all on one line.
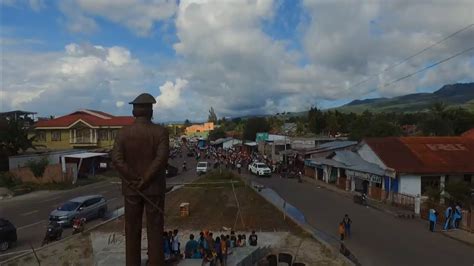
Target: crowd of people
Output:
[(452, 218), (211, 250)]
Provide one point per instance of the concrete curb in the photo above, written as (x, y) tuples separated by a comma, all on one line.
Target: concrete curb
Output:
[(308, 230), (457, 239)]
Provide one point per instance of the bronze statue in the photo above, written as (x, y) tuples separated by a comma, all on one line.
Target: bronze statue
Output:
[(140, 155)]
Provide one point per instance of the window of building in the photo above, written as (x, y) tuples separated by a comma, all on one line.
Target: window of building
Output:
[(56, 135), (103, 134), (41, 136), (113, 134)]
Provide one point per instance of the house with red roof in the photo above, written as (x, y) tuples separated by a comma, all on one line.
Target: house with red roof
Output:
[(83, 129), (383, 167), (420, 163)]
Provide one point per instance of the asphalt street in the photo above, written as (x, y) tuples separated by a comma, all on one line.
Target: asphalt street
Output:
[(378, 238), (30, 212)]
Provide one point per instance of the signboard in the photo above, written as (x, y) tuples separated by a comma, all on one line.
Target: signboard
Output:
[(263, 136), (365, 176)]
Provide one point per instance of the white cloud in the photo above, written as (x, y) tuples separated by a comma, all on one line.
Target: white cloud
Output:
[(357, 40), (227, 58), (170, 94), (81, 76), (139, 16)]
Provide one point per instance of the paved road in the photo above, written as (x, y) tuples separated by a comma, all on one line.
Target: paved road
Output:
[(30, 212), (378, 238)]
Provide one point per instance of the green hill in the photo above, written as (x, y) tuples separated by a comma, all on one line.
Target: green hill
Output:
[(454, 95)]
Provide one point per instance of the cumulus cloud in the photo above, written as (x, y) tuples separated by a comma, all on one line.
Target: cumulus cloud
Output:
[(381, 33), (80, 76), (228, 57), (170, 94), (139, 16)]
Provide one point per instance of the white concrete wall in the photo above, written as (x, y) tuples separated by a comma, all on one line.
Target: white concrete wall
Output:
[(369, 155), (410, 184)]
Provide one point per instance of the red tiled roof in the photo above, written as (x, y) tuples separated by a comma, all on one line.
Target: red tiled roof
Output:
[(425, 155), (468, 134), (90, 118)]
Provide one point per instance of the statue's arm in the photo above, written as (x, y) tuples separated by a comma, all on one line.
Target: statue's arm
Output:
[(161, 158), (118, 158)]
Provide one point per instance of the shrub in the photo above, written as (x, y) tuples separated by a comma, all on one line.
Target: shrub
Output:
[(458, 192), (8, 180), (38, 166)]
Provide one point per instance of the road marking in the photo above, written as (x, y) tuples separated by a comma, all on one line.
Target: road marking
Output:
[(51, 199), (30, 225), (102, 192), (116, 182), (112, 199), (28, 213), (15, 252)]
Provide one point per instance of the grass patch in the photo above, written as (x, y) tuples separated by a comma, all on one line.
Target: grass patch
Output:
[(218, 179)]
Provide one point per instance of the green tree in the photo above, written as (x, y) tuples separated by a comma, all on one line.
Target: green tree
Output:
[(332, 124), (187, 123), (217, 134), (436, 122), (275, 123), (316, 120), (14, 138), (458, 192), (212, 116), (253, 126), (462, 120), (300, 127)]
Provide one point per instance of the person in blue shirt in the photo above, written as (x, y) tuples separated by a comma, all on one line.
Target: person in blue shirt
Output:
[(432, 217), (449, 216), (191, 247), (166, 246), (457, 217)]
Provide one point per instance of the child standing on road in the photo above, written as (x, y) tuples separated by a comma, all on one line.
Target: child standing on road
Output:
[(347, 225), (341, 230)]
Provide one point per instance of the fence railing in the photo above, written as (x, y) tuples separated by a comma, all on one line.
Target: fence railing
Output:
[(403, 201)]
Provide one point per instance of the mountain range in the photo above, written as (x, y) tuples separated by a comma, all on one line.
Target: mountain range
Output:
[(454, 95)]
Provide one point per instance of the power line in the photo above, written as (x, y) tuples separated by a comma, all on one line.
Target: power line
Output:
[(413, 55), (428, 67)]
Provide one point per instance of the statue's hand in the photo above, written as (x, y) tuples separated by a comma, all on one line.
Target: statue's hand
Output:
[(137, 183), (142, 183)]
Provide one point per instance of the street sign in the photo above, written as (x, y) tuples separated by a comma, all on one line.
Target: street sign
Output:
[(262, 136)]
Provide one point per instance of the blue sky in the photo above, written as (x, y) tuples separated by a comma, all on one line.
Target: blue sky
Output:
[(241, 57)]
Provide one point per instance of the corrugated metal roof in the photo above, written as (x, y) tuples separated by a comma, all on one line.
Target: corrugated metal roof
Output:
[(353, 161), (468, 134), (336, 145), (349, 160), (425, 155)]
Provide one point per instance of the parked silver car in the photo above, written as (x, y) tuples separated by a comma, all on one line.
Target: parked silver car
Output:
[(89, 207)]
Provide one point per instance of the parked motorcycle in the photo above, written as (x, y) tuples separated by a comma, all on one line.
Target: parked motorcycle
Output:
[(53, 233), (78, 225), (361, 199)]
